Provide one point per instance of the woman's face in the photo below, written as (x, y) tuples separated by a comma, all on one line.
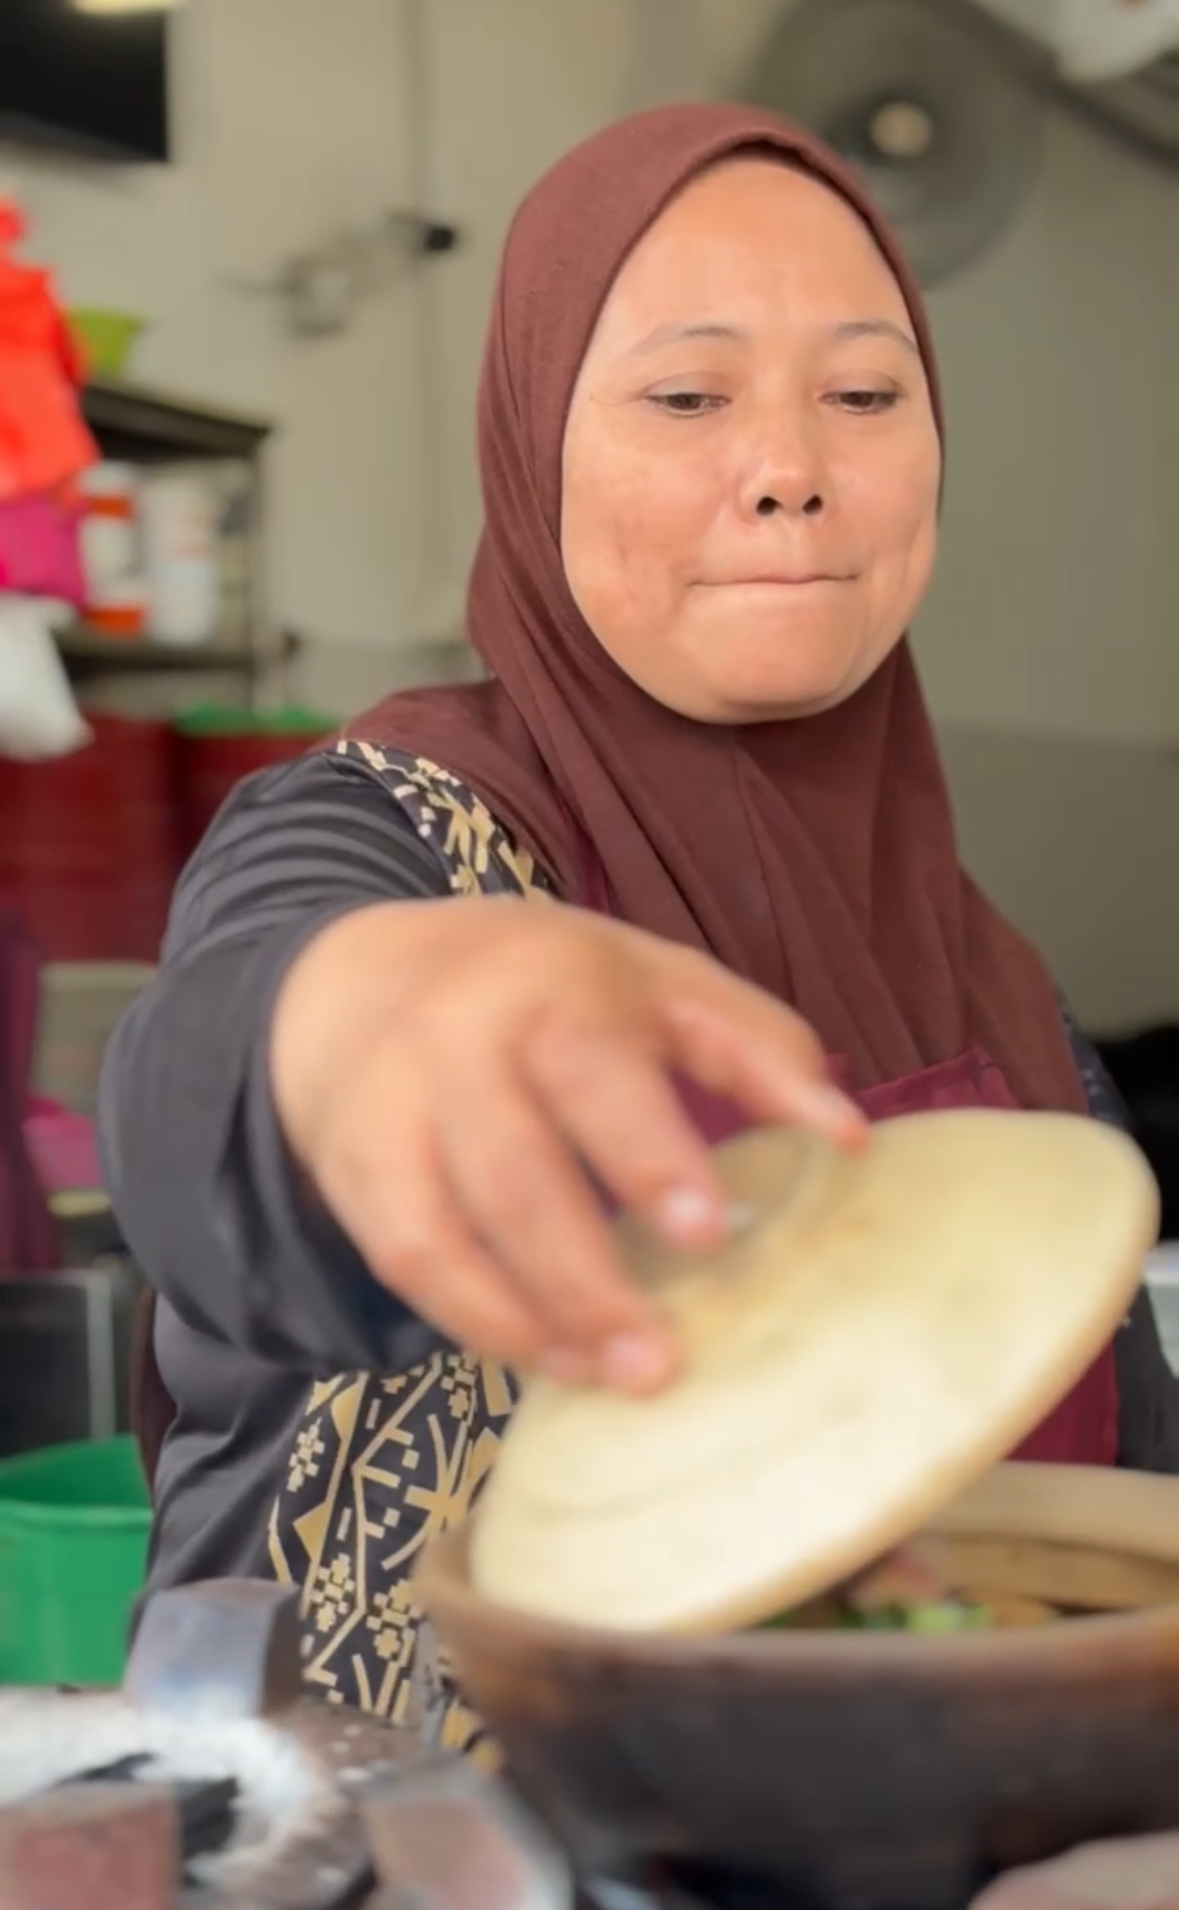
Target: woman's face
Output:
[(751, 464)]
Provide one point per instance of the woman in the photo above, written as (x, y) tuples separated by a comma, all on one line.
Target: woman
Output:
[(357, 1123)]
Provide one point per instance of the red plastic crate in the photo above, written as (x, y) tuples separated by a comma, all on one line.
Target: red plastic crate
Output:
[(209, 767), (89, 850)]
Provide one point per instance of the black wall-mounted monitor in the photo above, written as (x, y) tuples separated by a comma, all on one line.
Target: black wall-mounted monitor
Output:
[(89, 83)]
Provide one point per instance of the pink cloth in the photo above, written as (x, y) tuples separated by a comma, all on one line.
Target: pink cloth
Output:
[(62, 1147), (40, 550)]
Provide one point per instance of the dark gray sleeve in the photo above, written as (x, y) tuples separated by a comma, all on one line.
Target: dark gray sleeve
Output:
[(201, 1180)]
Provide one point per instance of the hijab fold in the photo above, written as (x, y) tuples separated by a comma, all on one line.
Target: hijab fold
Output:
[(815, 857)]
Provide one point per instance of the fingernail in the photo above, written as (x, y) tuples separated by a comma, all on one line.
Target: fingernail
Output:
[(636, 1364), (568, 1368), (684, 1213)]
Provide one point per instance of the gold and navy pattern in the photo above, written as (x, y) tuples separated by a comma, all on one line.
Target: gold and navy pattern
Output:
[(382, 1463), (480, 857)]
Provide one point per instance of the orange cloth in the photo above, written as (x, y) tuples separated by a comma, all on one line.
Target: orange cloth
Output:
[(43, 439)]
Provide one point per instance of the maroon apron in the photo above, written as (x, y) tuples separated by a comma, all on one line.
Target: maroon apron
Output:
[(1083, 1428)]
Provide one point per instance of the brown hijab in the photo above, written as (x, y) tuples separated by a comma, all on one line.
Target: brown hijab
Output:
[(815, 857)]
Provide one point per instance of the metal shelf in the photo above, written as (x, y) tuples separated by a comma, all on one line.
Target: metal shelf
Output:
[(88, 652), (143, 426), (142, 422)]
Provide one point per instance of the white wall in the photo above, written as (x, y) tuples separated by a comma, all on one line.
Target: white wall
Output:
[(1079, 842), (1057, 603), (1051, 640)]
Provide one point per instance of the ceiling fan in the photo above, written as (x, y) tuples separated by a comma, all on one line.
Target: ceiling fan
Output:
[(941, 104)]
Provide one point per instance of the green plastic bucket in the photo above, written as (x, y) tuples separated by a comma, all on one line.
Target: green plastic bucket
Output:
[(225, 719), (74, 1524)]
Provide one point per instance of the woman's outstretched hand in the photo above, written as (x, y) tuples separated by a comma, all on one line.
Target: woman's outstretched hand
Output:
[(452, 1076)]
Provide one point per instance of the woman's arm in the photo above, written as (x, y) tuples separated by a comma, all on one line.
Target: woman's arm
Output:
[(448, 1078), (200, 1176)]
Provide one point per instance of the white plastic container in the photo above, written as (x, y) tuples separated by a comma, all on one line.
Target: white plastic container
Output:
[(111, 561), (178, 528)]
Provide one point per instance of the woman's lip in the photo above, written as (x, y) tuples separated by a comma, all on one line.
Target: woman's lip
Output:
[(781, 580)]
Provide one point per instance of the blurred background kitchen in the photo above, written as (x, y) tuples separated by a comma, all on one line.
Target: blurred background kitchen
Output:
[(238, 494)]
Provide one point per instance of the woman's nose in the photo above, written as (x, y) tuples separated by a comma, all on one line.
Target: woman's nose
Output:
[(786, 475)]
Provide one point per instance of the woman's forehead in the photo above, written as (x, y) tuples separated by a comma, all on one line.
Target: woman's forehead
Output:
[(751, 229)]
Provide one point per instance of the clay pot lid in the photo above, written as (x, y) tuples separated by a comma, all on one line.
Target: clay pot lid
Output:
[(881, 1330)]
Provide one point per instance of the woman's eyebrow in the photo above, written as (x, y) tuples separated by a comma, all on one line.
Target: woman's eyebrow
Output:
[(852, 328), (845, 330), (677, 330)]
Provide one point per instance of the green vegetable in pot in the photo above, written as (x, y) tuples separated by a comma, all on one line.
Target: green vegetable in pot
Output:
[(935, 1619), (948, 1616), (904, 1592)]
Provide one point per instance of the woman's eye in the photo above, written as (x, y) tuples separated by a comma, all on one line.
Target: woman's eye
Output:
[(865, 403), (686, 404)]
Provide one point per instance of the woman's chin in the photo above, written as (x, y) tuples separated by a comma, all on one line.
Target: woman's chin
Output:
[(764, 689)]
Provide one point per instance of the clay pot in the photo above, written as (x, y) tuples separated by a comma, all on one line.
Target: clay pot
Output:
[(871, 1770)]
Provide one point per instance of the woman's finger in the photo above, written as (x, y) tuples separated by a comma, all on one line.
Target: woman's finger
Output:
[(739, 1042), (613, 1100), (391, 1196), (524, 1195)]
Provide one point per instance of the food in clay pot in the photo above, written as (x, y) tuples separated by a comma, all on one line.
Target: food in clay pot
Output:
[(905, 1592)]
